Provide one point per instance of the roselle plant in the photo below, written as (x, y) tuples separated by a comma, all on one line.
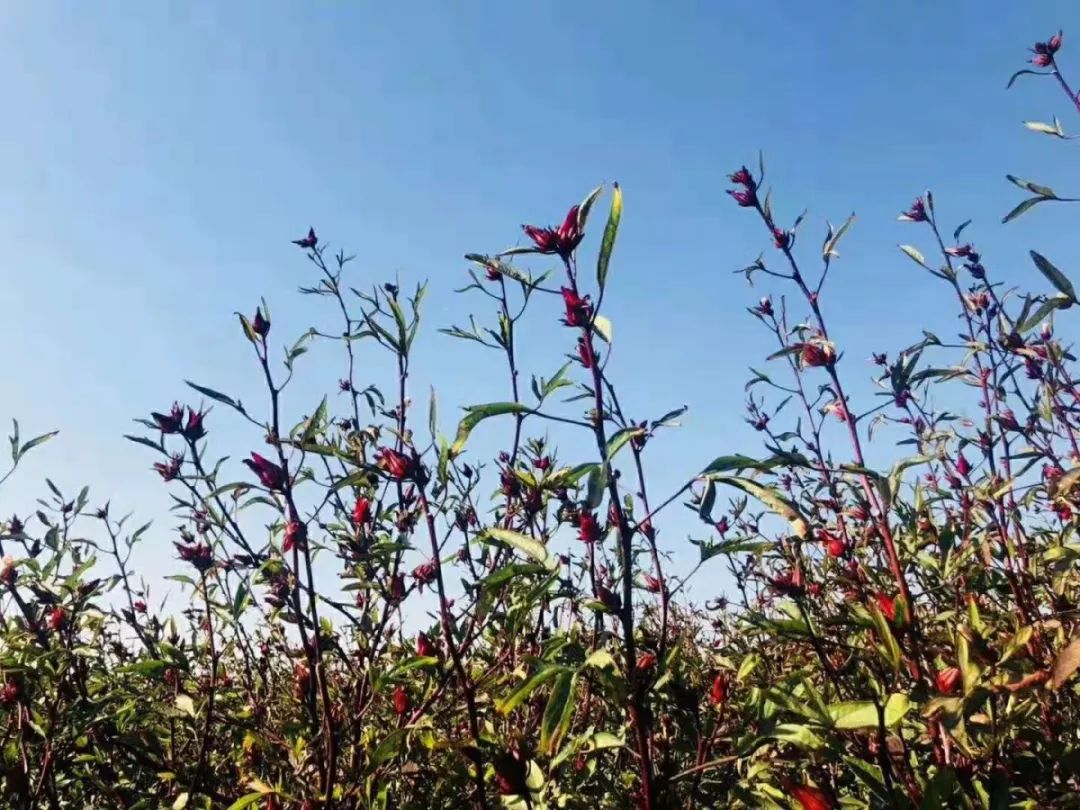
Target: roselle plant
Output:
[(381, 617)]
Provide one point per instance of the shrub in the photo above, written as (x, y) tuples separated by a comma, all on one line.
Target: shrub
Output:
[(901, 637)]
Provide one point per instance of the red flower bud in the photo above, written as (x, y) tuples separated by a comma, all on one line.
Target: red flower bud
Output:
[(57, 619), (260, 324), (887, 605), (9, 693), (578, 309), (833, 544), (811, 798), (562, 240), (424, 574), (361, 511), (652, 584), (917, 212), (295, 536), (171, 470), (307, 242), (718, 694), (401, 701), (424, 647), (194, 429), (139, 605), (588, 529), (170, 422), (270, 474), (947, 680), (963, 466), (585, 352), (396, 465), (646, 661), (816, 354), (781, 238)]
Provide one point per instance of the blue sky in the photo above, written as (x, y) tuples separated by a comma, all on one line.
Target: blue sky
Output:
[(156, 158)]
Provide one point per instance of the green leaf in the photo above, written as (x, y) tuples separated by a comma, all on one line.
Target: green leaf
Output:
[(217, 396), (185, 704), (607, 245), (527, 545), (799, 735), (387, 749), (620, 439), (557, 713), (913, 254), (522, 693), (476, 414), (833, 239), (1020, 73), (600, 659), (602, 327), (246, 801), (1048, 306), (854, 714), (773, 500), (1021, 208), (1047, 129), (30, 445), (596, 484), (586, 206), (1055, 276)]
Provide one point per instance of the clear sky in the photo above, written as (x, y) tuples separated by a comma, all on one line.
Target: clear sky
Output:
[(156, 159)]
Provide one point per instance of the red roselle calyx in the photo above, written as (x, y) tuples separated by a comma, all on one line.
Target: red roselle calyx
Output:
[(307, 242), (646, 661), (833, 544), (747, 195), (562, 240), (1044, 51), (589, 530), (917, 212), (361, 511), (817, 353), (585, 352), (396, 465), (424, 646), (57, 619), (887, 605), (578, 309), (295, 536), (172, 421), (811, 798), (652, 584), (401, 701), (718, 694), (170, 470), (947, 680), (194, 429), (424, 574), (270, 474)]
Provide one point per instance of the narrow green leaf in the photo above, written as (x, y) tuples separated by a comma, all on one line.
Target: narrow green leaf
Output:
[(476, 414), (557, 713), (607, 245), (246, 801), (387, 749), (527, 545), (217, 396), (913, 254), (522, 693), (1055, 276)]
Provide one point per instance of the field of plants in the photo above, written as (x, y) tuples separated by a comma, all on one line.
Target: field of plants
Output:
[(381, 618)]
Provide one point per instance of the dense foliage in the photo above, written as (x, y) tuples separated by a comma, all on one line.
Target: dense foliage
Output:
[(378, 619)]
